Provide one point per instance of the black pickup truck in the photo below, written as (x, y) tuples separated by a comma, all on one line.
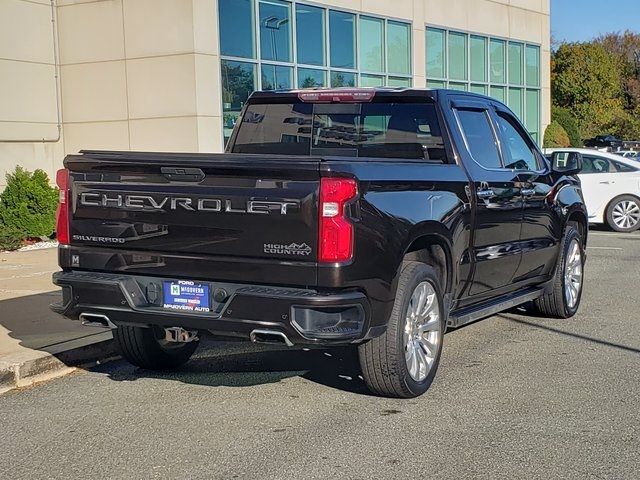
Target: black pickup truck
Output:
[(376, 218)]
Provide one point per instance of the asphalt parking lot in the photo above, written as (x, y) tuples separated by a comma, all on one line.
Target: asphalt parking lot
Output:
[(515, 397)]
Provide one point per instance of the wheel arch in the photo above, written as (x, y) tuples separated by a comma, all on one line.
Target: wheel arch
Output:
[(433, 250), (580, 219)]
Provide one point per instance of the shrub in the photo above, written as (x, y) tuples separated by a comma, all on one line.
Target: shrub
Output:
[(28, 203), (567, 121), (10, 238), (556, 136)]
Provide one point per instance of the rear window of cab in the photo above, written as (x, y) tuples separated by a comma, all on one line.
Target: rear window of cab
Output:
[(375, 130)]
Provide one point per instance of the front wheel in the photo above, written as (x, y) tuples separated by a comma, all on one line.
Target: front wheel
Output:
[(147, 348), (563, 298), (623, 214), (402, 362)]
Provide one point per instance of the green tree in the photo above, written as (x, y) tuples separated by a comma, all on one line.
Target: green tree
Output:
[(555, 136), (625, 47), (309, 82), (624, 125), (237, 83), (565, 118), (586, 80)]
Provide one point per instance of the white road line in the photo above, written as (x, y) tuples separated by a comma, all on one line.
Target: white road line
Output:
[(615, 235), (604, 248)]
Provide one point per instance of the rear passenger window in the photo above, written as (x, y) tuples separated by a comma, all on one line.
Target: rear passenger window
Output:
[(479, 136), (623, 167), (592, 164)]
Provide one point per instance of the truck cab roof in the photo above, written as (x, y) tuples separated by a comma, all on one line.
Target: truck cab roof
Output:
[(355, 94)]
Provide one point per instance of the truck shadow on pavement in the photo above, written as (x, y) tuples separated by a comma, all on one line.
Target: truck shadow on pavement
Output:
[(516, 316), (27, 321), (239, 364)]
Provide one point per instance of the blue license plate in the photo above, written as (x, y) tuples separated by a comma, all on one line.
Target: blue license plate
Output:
[(186, 295)]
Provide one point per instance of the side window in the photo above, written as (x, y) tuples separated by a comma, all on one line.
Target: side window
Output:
[(479, 137), (519, 152), (623, 167), (593, 164)]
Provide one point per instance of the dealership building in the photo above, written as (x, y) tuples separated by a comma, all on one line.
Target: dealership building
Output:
[(172, 75)]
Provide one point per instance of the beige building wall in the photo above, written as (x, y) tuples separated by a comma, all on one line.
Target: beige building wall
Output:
[(29, 108), (140, 74), (145, 74)]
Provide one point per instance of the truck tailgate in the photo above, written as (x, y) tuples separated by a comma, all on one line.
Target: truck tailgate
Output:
[(229, 205)]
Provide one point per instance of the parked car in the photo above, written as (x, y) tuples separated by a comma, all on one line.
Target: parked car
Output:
[(633, 155), (609, 142), (611, 188), (375, 218)]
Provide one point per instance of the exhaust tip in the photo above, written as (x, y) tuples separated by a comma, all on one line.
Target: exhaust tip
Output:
[(270, 336), (96, 320)]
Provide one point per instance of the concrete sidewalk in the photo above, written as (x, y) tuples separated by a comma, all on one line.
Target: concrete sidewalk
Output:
[(35, 343)]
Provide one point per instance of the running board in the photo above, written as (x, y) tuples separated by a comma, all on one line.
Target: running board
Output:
[(476, 312)]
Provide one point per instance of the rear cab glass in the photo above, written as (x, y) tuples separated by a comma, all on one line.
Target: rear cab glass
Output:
[(374, 130)]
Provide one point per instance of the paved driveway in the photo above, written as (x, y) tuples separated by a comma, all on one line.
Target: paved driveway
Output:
[(516, 397)]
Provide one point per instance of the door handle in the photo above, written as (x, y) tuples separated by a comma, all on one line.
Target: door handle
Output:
[(486, 193), (606, 182), (527, 192)]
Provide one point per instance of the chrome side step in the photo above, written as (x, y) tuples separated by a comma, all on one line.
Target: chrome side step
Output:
[(471, 314)]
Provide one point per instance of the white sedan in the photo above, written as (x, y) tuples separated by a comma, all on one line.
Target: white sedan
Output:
[(611, 188)]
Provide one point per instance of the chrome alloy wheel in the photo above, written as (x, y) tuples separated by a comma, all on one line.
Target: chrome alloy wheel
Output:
[(422, 331), (573, 274), (626, 214)]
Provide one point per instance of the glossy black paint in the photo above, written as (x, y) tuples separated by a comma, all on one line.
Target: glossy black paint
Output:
[(493, 246)]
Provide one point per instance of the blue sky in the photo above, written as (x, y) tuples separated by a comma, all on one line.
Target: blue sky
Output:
[(581, 20)]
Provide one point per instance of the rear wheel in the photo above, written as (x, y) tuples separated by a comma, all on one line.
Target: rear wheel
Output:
[(563, 300), (403, 361), (147, 348), (623, 213)]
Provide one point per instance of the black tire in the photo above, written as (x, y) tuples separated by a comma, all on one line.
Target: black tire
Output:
[(610, 213), (382, 359), (143, 348), (554, 303)]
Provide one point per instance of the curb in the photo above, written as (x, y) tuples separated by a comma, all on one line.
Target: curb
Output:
[(28, 367)]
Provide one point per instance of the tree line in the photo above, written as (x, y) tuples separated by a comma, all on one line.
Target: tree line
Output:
[(595, 90)]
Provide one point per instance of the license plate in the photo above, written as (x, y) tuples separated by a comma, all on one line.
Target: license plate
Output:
[(186, 295)]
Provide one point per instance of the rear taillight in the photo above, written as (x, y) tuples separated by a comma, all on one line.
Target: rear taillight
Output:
[(336, 231), (62, 214)]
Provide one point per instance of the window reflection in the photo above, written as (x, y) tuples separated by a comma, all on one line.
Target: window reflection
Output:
[(343, 79), (238, 81), (275, 30), (310, 35), (236, 28), (275, 77), (398, 48), (311, 77), (342, 30), (371, 44)]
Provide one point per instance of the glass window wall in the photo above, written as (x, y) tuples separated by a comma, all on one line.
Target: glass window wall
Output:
[(279, 44), (506, 70)]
